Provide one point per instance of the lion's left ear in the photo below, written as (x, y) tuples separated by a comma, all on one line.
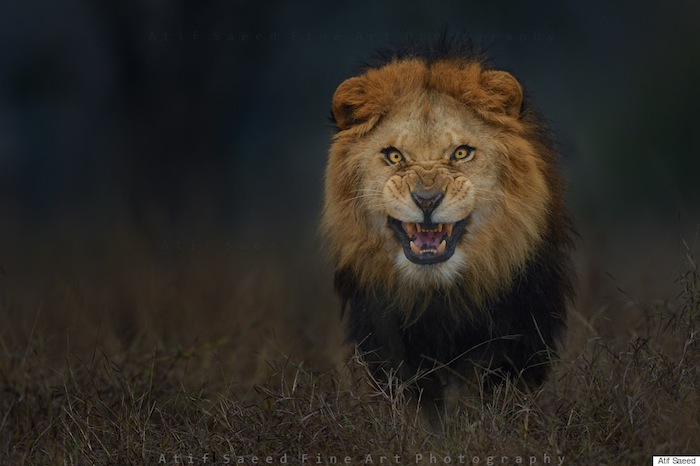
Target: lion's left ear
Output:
[(503, 87)]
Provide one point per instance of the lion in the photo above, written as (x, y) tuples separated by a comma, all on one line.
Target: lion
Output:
[(445, 220)]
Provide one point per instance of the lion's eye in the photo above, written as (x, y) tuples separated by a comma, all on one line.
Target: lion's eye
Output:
[(465, 153), (393, 155)]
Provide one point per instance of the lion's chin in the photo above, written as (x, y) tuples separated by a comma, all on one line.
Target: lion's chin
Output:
[(428, 243), (439, 275)]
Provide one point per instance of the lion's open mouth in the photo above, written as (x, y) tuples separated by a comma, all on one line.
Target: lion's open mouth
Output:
[(428, 243)]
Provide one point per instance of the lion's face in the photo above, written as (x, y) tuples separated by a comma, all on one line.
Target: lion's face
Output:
[(428, 191), (428, 167)]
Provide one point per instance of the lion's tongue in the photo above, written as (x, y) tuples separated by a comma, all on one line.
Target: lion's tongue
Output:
[(428, 239)]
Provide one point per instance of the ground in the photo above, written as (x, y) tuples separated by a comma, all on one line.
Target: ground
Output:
[(177, 351)]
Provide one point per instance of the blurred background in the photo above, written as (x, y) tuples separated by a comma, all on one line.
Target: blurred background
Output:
[(164, 160)]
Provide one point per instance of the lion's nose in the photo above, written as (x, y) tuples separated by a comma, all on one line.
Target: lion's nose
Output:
[(427, 201)]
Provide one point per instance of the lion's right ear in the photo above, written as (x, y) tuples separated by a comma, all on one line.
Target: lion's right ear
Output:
[(348, 101)]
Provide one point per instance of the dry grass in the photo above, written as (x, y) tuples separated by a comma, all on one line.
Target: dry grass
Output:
[(129, 353)]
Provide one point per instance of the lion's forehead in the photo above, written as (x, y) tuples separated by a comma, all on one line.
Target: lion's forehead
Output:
[(420, 142), (430, 127)]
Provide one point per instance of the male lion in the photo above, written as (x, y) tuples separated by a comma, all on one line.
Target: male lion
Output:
[(445, 220)]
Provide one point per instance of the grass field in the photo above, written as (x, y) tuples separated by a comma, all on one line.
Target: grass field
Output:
[(166, 351)]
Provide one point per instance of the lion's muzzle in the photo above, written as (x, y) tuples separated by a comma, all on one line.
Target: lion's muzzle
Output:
[(432, 190), (427, 202)]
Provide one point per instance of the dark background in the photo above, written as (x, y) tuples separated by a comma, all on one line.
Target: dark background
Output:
[(189, 119)]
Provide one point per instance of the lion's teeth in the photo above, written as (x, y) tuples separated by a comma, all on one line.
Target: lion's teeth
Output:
[(418, 227), (439, 228), (410, 228), (414, 248), (442, 247), (448, 227)]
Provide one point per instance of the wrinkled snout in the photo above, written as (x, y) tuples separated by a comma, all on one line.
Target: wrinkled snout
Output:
[(427, 201)]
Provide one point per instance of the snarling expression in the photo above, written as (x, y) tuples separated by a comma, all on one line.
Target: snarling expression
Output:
[(437, 168)]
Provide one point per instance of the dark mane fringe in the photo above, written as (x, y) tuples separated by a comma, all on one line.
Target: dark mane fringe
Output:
[(442, 46)]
